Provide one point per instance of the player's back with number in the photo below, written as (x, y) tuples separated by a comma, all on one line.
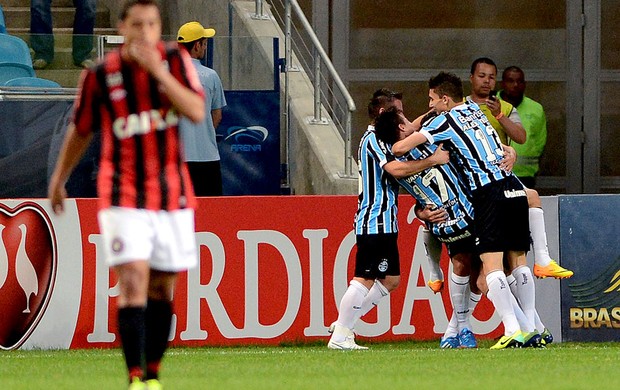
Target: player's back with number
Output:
[(478, 151)]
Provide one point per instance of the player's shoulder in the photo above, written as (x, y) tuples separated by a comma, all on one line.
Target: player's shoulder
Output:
[(109, 65), (370, 138), (370, 132), (370, 142), (170, 46)]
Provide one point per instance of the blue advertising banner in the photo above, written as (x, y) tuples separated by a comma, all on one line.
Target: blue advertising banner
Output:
[(249, 143), (26, 130), (589, 245), (32, 133)]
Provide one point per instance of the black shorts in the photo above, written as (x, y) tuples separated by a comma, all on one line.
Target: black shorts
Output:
[(377, 256), (501, 217), (464, 245), (206, 177)]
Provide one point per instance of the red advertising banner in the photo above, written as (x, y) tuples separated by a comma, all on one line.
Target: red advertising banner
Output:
[(272, 270)]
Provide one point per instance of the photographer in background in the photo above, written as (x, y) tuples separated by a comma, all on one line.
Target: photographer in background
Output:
[(500, 113)]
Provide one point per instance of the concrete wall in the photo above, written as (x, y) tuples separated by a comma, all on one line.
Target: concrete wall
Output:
[(316, 151), (211, 13)]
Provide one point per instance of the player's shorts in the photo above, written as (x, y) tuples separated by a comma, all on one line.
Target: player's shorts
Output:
[(501, 221), (377, 256), (464, 245), (165, 238)]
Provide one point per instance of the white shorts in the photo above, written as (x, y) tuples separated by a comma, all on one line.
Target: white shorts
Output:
[(165, 238)]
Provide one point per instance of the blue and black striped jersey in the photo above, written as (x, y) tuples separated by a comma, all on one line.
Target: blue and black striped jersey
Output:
[(440, 187), (378, 191), (472, 141)]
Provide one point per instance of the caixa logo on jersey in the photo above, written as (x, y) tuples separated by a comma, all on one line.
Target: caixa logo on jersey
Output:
[(246, 139), (28, 263)]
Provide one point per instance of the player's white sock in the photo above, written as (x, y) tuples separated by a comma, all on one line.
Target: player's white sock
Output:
[(539, 236), (512, 282), (376, 293), (473, 302), (525, 324), (459, 296), (513, 288), (526, 291), (432, 247), (499, 295), (452, 329), (351, 305), (540, 327)]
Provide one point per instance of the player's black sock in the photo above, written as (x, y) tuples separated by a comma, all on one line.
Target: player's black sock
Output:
[(158, 317), (132, 333)]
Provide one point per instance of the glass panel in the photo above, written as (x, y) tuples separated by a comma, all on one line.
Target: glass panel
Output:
[(449, 34), (527, 14), (610, 97), (610, 128), (243, 63), (610, 38), (552, 96)]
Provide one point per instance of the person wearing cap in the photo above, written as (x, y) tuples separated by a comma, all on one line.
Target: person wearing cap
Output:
[(201, 153)]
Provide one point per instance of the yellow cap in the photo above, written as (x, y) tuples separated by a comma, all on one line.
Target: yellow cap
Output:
[(193, 31)]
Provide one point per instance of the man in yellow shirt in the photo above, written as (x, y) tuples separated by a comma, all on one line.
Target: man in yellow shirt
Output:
[(505, 118), (502, 115)]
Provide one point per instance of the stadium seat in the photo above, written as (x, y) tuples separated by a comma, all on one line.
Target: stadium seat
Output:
[(34, 82), (9, 71), (14, 49), (2, 23)]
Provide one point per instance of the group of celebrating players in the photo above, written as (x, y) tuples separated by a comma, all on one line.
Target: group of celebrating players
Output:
[(455, 160)]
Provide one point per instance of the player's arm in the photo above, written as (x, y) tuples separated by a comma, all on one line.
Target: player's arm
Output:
[(511, 123), (186, 101), (417, 122), (216, 115), (405, 145), (400, 169), (514, 130), (72, 150)]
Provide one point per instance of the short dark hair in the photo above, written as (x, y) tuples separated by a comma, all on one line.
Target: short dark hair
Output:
[(482, 60), (382, 99), (130, 3), (447, 84), (386, 125), (512, 68), (190, 45)]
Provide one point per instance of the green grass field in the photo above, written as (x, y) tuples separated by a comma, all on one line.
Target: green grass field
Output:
[(405, 365)]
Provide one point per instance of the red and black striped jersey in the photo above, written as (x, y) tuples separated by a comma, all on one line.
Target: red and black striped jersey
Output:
[(142, 164)]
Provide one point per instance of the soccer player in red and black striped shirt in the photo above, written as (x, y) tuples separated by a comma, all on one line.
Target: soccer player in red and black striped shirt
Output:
[(133, 100)]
